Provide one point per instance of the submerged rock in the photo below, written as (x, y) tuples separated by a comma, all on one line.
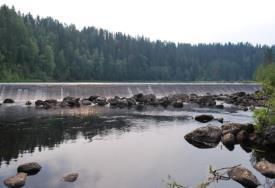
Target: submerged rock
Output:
[(204, 118), (70, 177), (16, 181), (266, 168), (204, 137), (243, 176), (8, 101), (29, 168)]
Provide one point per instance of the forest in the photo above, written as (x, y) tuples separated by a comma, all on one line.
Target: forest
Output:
[(43, 49)]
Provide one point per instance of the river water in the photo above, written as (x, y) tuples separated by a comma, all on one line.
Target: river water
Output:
[(125, 148)]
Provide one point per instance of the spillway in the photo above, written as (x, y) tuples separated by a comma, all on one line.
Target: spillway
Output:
[(34, 91)]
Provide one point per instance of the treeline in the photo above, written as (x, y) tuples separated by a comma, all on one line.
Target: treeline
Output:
[(43, 49)]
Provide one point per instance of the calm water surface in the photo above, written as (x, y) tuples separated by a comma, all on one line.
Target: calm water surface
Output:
[(122, 148)]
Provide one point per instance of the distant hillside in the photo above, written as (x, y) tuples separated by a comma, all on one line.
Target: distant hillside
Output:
[(43, 49)]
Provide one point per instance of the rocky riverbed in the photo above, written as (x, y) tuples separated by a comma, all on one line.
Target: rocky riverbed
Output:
[(240, 100)]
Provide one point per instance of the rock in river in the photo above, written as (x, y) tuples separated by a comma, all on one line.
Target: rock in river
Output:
[(228, 141), (29, 168), (71, 177), (244, 177), (177, 104), (86, 102), (8, 101), (16, 181), (101, 101), (235, 128), (204, 137), (266, 168), (28, 103), (204, 118)]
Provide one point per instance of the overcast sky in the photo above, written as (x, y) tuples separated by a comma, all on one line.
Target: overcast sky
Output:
[(192, 21)]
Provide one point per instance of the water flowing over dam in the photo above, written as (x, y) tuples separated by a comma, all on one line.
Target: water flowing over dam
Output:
[(34, 91)]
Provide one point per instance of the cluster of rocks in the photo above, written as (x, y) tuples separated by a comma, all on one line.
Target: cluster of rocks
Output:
[(246, 100), (23, 171), (248, 138), (28, 169), (240, 99), (232, 134)]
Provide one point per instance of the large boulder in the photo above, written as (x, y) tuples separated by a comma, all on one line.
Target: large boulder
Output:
[(204, 137), (16, 181), (29, 168), (70, 177), (243, 176), (266, 168), (204, 118), (8, 101)]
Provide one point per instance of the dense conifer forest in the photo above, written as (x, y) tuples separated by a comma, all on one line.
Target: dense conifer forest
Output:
[(43, 49)]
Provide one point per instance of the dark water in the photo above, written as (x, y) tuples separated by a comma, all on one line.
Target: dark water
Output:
[(121, 148)]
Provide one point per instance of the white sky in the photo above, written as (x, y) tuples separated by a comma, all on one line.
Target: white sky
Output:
[(192, 21)]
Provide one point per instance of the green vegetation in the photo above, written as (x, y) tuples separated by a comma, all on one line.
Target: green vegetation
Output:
[(43, 49), (266, 74)]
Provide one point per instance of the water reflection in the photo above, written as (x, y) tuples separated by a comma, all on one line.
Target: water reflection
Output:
[(113, 147)]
